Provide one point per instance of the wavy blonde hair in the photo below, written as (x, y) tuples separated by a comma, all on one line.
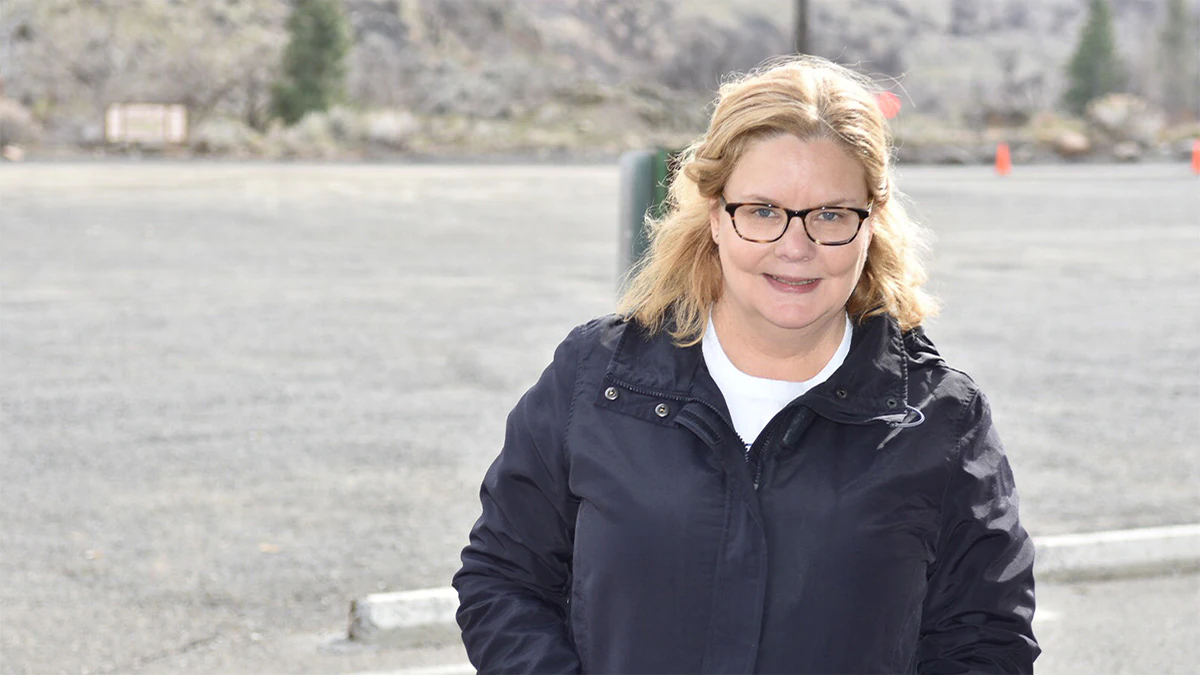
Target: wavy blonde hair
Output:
[(679, 279)]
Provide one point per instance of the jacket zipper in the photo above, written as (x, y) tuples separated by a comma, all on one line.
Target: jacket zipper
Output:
[(766, 437), (760, 459)]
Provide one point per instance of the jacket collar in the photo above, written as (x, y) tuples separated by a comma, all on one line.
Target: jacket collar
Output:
[(872, 384)]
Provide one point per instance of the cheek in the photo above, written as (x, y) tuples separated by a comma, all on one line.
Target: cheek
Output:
[(847, 262), (737, 258), (860, 265), (729, 264)]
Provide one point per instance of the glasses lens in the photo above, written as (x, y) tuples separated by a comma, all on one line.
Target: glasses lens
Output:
[(832, 225), (761, 222)]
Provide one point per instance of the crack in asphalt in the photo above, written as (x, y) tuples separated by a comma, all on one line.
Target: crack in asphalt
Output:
[(180, 650)]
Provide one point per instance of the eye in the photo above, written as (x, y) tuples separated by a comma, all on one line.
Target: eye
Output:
[(765, 213), (830, 215)]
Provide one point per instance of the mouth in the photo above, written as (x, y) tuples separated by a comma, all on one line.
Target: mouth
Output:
[(794, 282)]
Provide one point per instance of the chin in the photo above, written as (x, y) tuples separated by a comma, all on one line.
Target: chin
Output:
[(798, 317), (792, 320)]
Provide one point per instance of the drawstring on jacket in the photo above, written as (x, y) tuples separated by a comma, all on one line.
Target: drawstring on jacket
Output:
[(900, 420)]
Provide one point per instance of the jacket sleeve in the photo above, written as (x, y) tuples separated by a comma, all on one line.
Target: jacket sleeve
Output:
[(515, 577), (978, 610)]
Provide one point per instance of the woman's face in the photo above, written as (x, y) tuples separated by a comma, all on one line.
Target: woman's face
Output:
[(793, 287)]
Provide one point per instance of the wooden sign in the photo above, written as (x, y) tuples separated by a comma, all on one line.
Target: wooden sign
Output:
[(145, 123)]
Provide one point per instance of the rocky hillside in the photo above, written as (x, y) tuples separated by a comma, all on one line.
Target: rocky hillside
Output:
[(958, 59), (514, 75)]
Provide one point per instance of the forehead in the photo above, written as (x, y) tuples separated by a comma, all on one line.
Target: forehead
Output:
[(797, 172)]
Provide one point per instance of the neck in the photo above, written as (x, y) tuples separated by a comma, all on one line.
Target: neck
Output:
[(779, 353)]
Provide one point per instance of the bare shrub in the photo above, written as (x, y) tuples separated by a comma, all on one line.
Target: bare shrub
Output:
[(346, 125), (310, 138), (390, 128), (225, 136), (17, 126)]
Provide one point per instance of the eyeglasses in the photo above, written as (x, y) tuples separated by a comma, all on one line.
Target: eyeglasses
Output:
[(825, 225)]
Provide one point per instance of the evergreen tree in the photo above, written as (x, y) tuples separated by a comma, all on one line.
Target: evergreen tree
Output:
[(1096, 68), (1179, 63), (314, 61)]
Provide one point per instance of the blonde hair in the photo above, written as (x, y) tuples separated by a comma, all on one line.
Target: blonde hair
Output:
[(679, 279)]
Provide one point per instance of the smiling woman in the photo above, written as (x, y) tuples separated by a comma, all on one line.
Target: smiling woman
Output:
[(783, 299), (760, 463)]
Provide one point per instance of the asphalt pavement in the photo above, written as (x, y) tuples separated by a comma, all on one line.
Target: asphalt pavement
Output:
[(1133, 626), (1114, 627), (238, 396)]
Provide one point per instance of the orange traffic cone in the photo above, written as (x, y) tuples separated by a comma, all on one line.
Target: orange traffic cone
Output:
[(1196, 156), (1003, 160)]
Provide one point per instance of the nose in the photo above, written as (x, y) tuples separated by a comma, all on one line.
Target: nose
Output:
[(795, 245)]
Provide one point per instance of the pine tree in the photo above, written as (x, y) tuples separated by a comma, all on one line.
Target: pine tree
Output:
[(1179, 63), (314, 61), (1096, 68)]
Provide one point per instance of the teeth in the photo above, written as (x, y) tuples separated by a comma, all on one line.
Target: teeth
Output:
[(792, 283)]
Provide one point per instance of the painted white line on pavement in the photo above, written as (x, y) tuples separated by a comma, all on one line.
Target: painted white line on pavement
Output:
[(409, 618)]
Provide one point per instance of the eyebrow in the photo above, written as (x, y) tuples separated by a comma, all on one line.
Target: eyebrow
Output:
[(762, 199)]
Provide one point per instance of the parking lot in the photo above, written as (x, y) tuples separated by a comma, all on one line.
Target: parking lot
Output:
[(237, 396)]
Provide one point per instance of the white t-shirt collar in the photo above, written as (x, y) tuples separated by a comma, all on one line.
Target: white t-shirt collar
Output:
[(753, 401)]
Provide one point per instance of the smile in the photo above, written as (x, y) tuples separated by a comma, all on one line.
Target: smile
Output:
[(792, 282)]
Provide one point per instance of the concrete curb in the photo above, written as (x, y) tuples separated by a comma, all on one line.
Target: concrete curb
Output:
[(405, 619), (412, 618), (447, 669), (1118, 553)]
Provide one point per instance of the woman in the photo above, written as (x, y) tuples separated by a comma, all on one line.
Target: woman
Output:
[(761, 464)]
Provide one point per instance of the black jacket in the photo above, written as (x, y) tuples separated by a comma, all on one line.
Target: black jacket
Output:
[(873, 528)]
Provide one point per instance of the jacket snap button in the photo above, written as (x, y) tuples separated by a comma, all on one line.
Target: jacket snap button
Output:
[(610, 393), (661, 410), (840, 393)]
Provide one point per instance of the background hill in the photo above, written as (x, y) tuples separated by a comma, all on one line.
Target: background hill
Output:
[(431, 76)]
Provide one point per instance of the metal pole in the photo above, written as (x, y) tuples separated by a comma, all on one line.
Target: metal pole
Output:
[(800, 45)]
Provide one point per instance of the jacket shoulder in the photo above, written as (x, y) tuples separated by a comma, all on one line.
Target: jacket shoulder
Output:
[(930, 376), (601, 334)]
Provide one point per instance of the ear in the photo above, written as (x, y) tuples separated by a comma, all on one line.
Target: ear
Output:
[(868, 233)]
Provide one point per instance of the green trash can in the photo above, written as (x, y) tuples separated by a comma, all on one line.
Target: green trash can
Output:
[(645, 176)]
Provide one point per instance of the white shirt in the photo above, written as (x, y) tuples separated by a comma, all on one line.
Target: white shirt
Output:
[(753, 401)]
